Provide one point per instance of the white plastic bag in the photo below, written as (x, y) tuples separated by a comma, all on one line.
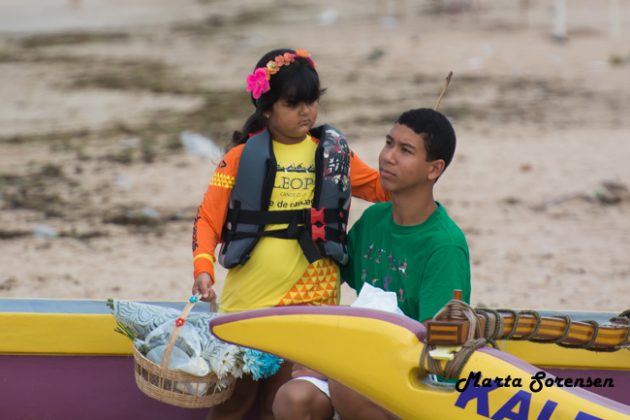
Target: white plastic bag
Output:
[(371, 297), (186, 354)]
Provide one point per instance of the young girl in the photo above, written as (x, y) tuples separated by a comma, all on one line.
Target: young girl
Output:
[(278, 203)]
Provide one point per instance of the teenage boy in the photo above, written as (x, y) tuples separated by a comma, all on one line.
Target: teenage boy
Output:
[(409, 246)]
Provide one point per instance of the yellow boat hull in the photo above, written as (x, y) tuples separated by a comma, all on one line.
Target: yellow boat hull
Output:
[(377, 354)]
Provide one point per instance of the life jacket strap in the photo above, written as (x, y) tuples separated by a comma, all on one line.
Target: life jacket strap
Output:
[(300, 217), (316, 233), (310, 237), (264, 217), (308, 226)]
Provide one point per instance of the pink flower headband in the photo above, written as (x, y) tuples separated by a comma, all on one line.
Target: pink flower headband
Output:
[(258, 81)]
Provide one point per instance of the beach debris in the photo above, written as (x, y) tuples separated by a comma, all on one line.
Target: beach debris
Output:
[(451, 6), (561, 199), (328, 17), (559, 21), (526, 167), (611, 191), (375, 54), (123, 182), (35, 197), (143, 217), (127, 148), (389, 22), (126, 215), (511, 201), (201, 146), (487, 50), (130, 143), (13, 233), (447, 82), (215, 20), (133, 149), (8, 283), (619, 60), (42, 231), (475, 63), (607, 192), (598, 66)]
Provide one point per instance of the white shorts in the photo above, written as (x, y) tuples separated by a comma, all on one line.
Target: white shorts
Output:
[(320, 384)]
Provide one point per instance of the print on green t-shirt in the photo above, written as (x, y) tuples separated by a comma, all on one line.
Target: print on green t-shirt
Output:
[(422, 264)]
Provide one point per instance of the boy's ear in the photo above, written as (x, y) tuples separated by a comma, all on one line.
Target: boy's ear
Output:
[(435, 169)]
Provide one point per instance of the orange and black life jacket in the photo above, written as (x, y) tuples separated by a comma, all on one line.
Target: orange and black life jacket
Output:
[(320, 230)]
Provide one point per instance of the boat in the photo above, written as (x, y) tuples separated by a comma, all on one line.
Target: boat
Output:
[(61, 359), (378, 354)]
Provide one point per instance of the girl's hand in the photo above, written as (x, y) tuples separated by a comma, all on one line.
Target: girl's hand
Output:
[(203, 286)]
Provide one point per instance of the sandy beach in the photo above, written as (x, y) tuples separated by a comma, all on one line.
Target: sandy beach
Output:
[(98, 191)]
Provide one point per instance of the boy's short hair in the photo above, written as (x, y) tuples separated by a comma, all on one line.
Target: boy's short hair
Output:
[(436, 131)]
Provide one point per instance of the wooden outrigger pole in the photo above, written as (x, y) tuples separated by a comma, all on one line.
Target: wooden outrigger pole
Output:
[(449, 328)]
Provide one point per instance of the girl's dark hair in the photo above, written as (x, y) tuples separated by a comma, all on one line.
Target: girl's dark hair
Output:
[(295, 83)]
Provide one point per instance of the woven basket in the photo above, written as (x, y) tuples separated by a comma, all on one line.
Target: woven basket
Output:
[(174, 387)]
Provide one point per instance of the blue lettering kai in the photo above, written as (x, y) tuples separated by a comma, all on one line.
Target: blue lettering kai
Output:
[(585, 416), (516, 408), (479, 393), (522, 400)]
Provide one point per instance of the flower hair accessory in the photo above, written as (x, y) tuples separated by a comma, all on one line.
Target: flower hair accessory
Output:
[(258, 81)]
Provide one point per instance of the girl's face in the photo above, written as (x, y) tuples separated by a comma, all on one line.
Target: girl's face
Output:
[(289, 123)]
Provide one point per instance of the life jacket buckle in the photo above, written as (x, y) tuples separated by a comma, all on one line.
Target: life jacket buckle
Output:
[(317, 216), (318, 232)]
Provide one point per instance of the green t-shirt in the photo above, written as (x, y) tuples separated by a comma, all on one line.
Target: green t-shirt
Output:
[(422, 264)]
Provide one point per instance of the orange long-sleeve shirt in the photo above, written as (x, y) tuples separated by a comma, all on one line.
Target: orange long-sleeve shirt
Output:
[(212, 213)]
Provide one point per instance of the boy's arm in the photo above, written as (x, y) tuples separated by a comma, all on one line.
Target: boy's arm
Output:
[(212, 213), (447, 269), (366, 181)]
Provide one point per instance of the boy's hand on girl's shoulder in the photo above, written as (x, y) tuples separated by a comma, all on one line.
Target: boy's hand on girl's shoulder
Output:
[(203, 287)]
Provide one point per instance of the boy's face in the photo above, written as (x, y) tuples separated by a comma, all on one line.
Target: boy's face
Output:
[(403, 161)]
